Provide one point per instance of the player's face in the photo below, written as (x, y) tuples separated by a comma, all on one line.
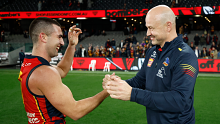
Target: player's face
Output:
[(156, 30), (55, 41)]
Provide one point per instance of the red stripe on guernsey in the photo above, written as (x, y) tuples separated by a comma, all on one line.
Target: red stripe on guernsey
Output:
[(189, 72)]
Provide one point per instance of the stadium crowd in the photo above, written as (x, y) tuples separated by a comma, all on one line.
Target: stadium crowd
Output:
[(131, 48)]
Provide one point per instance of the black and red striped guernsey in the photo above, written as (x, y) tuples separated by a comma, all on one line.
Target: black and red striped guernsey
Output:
[(39, 109)]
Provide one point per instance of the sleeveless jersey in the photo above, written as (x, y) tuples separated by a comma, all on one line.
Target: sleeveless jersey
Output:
[(39, 109)]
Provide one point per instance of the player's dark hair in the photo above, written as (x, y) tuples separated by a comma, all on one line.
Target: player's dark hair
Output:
[(39, 25)]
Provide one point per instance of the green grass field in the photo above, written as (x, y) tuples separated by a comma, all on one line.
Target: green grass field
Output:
[(85, 84)]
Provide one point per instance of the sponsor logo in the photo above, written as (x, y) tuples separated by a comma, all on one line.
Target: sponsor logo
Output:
[(166, 62), (31, 118), (10, 14), (80, 61), (95, 13), (208, 10), (28, 14), (127, 12), (150, 61), (161, 72)]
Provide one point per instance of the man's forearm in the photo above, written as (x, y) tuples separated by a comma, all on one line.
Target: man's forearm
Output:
[(67, 60), (85, 106)]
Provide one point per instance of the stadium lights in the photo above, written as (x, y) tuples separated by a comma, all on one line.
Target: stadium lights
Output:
[(71, 21), (194, 21), (81, 18), (103, 18), (132, 25), (125, 19), (127, 22), (140, 22), (60, 18), (197, 15), (208, 19), (63, 19), (135, 20), (132, 19), (68, 20)]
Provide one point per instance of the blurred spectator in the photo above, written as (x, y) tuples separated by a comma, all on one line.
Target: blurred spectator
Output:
[(44, 5), (83, 54), (107, 44), (181, 29), (131, 53), (113, 43), (78, 6), (137, 55), (90, 45), (121, 44), (146, 39), (197, 52), (213, 45), (89, 4), (212, 29), (186, 38), (97, 52), (70, 5), (21, 56), (214, 53), (90, 52), (10, 48), (133, 39), (143, 43), (108, 52), (123, 52), (215, 38), (2, 36), (196, 39), (125, 31), (98, 32), (124, 7), (65, 34), (202, 40), (39, 6), (80, 50), (192, 46), (118, 52), (103, 33), (208, 39), (113, 52), (26, 35), (204, 53), (185, 30)]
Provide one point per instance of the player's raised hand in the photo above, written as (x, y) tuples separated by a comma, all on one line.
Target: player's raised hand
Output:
[(73, 35), (119, 89)]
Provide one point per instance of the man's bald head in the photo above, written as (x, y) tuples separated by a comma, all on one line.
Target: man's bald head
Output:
[(162, 13)]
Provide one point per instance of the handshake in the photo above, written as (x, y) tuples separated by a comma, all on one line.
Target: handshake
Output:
[(117, 88)]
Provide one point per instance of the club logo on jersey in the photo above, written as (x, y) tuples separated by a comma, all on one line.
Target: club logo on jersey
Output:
[(179, 49), (166, 62), (153, 55), (188, 69), (161, 72), (150, 61)]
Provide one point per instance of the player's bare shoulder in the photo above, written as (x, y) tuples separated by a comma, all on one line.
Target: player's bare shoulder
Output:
[(43, 77)]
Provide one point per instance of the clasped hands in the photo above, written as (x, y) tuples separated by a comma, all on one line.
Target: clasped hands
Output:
[(117, 88)]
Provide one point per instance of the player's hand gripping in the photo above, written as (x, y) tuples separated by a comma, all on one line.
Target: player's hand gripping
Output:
[(73, 35)]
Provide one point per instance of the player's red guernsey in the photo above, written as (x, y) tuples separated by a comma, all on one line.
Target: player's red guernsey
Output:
[(39, 109)]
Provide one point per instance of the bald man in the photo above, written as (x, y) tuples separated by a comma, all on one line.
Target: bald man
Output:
[(165, 82)]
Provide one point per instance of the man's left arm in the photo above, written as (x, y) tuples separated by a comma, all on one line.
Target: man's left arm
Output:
[(64, 65)]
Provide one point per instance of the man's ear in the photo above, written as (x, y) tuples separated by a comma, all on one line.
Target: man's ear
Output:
[(43, 37), (169, 26)]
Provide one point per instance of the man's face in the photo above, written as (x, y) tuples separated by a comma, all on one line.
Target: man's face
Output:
[(156, 30), (54, 41)]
